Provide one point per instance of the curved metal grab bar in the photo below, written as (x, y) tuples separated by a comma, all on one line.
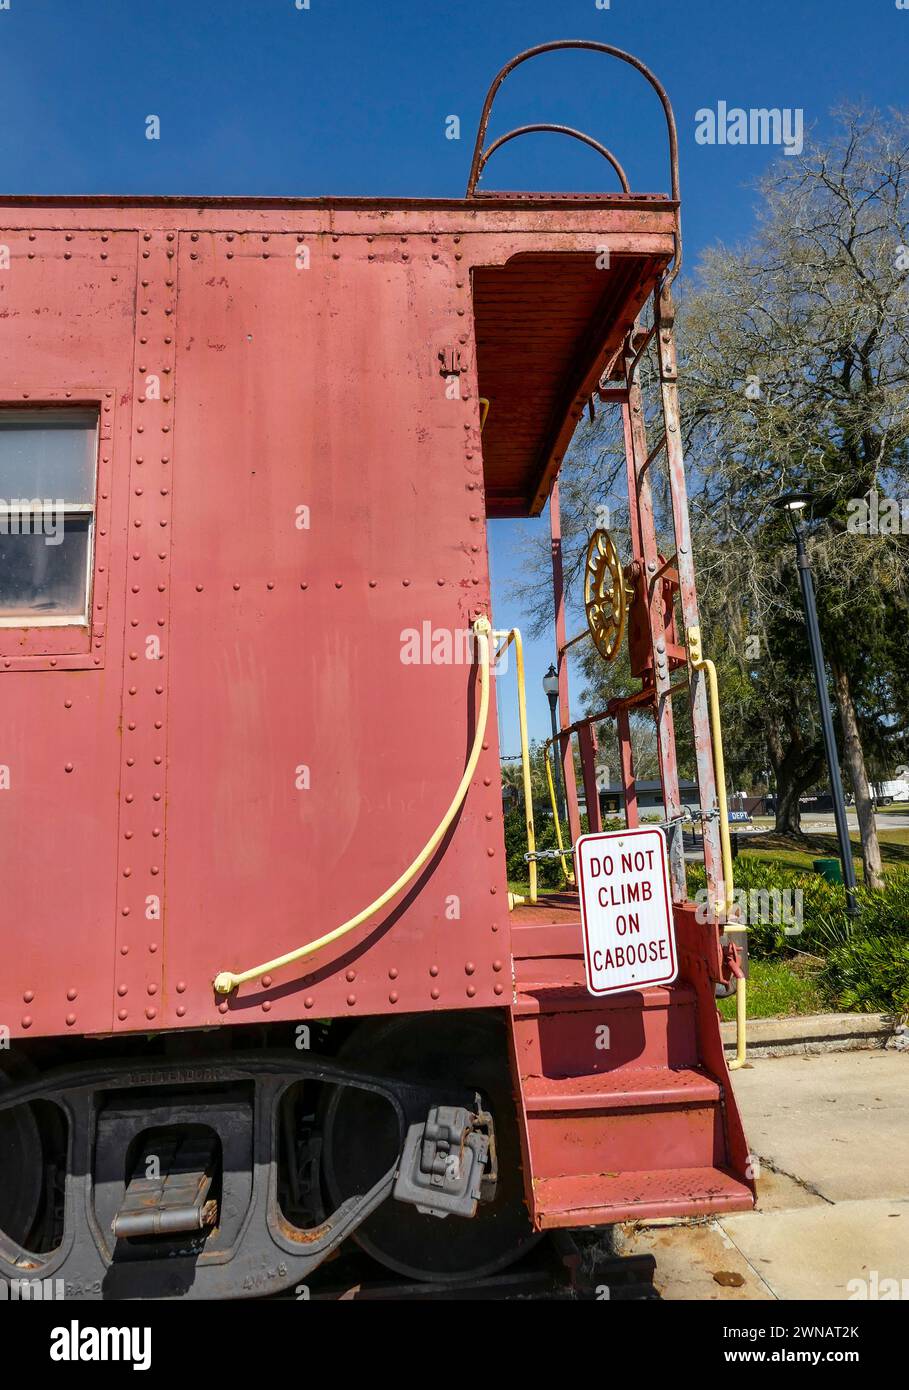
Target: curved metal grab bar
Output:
[(556, 130), (226, 981)]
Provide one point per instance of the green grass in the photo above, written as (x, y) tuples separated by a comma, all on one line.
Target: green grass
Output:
[(799, 852), (778, 989)]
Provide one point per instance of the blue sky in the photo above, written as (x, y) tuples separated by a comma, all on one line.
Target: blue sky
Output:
[(351, 97)]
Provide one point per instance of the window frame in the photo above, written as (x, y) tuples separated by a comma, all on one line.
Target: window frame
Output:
[(68, 641)]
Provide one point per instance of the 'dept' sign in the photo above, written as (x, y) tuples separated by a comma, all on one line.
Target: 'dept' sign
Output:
[(626, 910)]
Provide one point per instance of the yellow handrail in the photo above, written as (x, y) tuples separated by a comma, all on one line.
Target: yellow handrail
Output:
[(226, 980), (567, 873), (514, 635), (702, 663)]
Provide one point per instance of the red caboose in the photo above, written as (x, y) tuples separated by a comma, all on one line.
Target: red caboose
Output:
[(263, 980)]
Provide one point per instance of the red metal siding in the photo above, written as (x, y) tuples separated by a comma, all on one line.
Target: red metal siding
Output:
[(322, 388), (179, 843), (67, 319)]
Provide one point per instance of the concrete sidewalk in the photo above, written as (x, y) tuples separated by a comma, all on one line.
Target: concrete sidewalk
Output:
[(830, 1134)]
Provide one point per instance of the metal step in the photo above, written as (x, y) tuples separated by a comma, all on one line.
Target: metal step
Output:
[(619, 1090), (561, 1030), (176, 1197), (597, 1199)]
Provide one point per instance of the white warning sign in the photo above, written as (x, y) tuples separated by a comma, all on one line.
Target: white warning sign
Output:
[(626, 910)]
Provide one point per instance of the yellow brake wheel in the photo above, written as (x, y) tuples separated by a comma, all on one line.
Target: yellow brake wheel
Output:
[(604, 594)]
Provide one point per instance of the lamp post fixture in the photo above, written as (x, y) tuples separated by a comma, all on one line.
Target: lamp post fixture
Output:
[(551, 689), (793, 504)]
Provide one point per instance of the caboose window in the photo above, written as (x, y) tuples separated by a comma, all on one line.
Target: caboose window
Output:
[(48, 459)]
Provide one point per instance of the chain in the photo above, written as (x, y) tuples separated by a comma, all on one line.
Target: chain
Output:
[(671, 824)]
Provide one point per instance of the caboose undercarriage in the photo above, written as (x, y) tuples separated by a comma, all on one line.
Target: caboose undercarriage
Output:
[(212, 1173)]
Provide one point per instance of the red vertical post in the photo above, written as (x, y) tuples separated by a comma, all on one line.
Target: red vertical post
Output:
[(639, 486), (623, 729), (588, 743), (700, 716), (558, 594)]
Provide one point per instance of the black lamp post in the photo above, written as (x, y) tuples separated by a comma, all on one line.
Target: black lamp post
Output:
[(551, 688), (793, 504)]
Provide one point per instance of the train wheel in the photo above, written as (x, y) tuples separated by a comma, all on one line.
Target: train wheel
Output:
[(21, 1169), (360, 1141)]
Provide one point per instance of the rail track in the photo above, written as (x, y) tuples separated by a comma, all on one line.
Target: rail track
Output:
[(569, 1266)]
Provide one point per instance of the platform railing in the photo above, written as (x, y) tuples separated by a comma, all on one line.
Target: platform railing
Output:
[(481, 155)]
